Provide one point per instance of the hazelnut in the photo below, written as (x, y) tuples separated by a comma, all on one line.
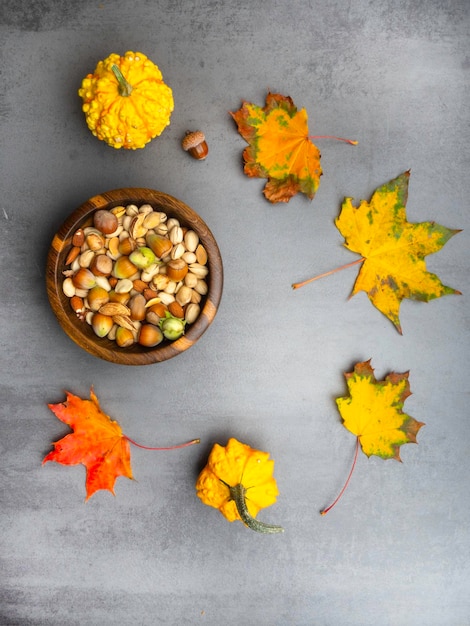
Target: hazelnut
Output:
[(195, 144)]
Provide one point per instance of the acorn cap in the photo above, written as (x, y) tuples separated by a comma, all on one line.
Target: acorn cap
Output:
[(193, 139)]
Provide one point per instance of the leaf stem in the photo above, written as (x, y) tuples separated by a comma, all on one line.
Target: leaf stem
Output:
[(181, 445), (328, 508), (350, 141), (311, 280)]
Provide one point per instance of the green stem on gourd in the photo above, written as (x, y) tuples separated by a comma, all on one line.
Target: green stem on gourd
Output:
[(237, 494), (125, 89)]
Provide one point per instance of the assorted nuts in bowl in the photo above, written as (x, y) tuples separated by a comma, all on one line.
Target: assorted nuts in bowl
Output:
[(134, 276)]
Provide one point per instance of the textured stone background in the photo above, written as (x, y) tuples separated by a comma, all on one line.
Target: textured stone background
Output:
[(393, 74)]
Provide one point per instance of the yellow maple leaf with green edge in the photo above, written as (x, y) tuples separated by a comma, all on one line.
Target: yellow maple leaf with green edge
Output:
[(280, 148), (373, 412), (392, 249)]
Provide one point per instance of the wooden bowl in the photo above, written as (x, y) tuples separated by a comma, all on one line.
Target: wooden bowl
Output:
[(80, 331)]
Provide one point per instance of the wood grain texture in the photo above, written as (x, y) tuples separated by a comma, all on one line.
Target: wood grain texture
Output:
[(81, 332)]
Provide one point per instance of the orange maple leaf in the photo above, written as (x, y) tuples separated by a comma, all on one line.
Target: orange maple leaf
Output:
[(279, 148), (373, 412), (97, 442)]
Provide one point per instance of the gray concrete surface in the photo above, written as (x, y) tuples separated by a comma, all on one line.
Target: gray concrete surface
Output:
[(395, 76)]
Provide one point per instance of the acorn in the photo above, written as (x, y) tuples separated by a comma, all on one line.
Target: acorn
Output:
[(195, 144)]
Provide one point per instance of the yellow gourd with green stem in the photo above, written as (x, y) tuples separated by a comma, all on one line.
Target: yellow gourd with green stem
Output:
[(238, 480), (125, 101)]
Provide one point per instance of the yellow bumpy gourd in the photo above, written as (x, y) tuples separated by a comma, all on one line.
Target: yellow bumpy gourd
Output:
[(238, 480), (125, 101)]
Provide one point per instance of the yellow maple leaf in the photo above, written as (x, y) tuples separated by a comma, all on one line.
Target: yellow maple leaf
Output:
[(374, 411), (392, 249)]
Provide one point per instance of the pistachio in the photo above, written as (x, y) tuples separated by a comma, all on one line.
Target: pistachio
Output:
[(95, 241), (191, 240), (201, 287), (190, 280), (126, 222), (86, 258), (189, 257), (132, 210), (160, 281), (161, 229), (149, 272), (171, 286), (177, 251), (81, 293), (195, 297), (68, 287), (137, 228), (192, 312), (200, 270), (176, 234), (166, 298), (183, 295), (151, 220)]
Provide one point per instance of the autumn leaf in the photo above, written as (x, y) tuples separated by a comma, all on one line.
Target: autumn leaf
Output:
[(279, 148), (97, 442), (392, 249), (373, 412)]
